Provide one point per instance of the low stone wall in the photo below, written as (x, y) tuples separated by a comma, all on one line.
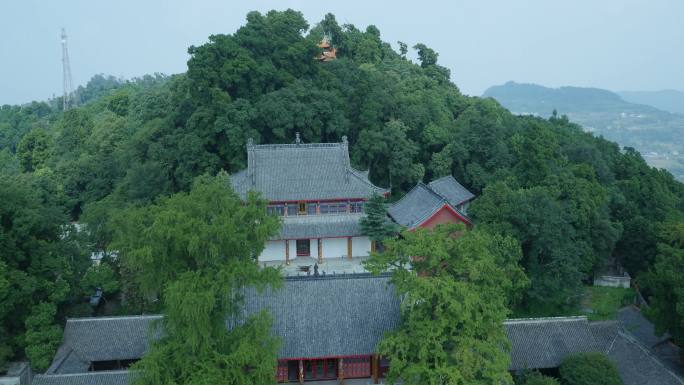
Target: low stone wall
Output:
[(18, 373)]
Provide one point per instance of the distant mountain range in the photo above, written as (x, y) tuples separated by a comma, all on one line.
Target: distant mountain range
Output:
[(666, 100), (657, 134)]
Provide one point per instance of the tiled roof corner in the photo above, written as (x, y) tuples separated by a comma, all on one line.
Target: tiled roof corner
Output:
[(449, 188)]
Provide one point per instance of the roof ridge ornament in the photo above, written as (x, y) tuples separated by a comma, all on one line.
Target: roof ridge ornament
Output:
[(298, 140), (251, 162), (345, 158)]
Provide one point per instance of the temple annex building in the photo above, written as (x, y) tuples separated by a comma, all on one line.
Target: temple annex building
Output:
[(331, 322), (319, 197)]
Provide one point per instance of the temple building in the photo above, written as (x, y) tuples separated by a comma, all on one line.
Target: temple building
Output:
[(329, 52), (330, 324), (330, 327), (318, 195), (441, 201)]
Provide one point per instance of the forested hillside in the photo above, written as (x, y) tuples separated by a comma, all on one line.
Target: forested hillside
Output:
[(572, 201), (657, 134)]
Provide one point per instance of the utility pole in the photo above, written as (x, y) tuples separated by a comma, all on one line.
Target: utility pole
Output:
[(66, 74)]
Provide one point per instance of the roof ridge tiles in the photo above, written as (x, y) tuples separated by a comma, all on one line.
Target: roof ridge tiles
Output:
[(93, 373), (440, 178), (511, 321), (275, 146), (321, 277), (110, 318)]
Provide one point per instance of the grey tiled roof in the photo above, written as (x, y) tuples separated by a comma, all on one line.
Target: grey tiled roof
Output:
[(295, 172), (330, 316), (635, 363), (320, 226), (544, 342), (449, 188), (101, 339), (416, 206), (348, 315), (640, 327), (67, 361), (119, 377)]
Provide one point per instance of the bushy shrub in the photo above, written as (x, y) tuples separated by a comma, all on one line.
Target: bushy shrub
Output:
[(589, 369), (536, 378)]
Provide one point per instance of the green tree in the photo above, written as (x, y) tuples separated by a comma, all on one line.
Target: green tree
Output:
[(427, 56), (548, 240), (34, 150), (376, 224), (119, 103), (5, 345), (403, 49), (101, 276), (589, 369), (390, 155), (41, 263), (536, 378), (43, 336), (454, 302), (665, 283), (196, 251)]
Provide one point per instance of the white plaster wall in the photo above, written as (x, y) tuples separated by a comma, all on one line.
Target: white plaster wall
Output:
[(293, 249), (273, 251), (314, 248), (611, 281), (361, 246), (334, 247)]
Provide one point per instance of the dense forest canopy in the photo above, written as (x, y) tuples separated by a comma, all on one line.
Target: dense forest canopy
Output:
[(654, 132), (573, 202)]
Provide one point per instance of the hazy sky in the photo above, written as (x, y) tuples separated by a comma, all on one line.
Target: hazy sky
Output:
[(613, 44)]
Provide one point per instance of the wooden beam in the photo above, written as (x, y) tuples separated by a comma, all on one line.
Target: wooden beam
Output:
[(301, 371), (320, 251), (349, 248), (287, 252)]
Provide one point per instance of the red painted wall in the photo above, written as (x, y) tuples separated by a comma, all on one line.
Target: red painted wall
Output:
[(442, 216)]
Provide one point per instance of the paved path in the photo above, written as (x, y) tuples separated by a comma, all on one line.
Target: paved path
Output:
[(330, 266)]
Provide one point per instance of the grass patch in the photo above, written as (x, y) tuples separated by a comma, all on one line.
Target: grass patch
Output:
[(598, 303), (604, 302)]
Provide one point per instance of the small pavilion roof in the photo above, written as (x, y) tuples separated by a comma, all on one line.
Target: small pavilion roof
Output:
[(419, 204)]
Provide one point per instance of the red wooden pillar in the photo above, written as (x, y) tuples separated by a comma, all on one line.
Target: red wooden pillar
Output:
[(301, 371), (349, 248), (375, 368), (287, 252)]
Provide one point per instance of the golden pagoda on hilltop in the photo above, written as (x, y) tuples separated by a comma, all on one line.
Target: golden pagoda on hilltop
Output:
[(329, 52)]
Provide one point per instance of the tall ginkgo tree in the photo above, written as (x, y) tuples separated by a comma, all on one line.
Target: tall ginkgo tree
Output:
[(196, 252), (456, 286)]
